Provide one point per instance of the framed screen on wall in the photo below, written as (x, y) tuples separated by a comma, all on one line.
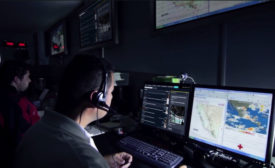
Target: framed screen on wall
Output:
[(57, 39), (168, 13), (98, 24)]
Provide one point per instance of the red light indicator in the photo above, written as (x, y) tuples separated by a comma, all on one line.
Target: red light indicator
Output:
[(20, 44), (55, 46), (9, 43)]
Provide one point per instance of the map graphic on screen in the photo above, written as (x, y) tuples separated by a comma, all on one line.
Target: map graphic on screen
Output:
[(234, 120), (248, 117), (169, 12)]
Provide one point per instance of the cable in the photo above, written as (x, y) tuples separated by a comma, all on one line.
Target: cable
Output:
[(192, 79), (185, 76), (97, 122)]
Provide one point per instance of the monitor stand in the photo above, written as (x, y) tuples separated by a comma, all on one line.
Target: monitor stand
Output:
[(203, 157), (223, 160), (220, 159)]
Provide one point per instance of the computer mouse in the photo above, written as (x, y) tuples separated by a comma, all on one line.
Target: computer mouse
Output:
[(119, 131)]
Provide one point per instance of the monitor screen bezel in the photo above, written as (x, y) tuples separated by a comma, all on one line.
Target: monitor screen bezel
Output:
[(114, 26), (236, 155), (180, 85)]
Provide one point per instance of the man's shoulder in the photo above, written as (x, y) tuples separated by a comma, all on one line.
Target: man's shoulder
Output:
[(59, 146)]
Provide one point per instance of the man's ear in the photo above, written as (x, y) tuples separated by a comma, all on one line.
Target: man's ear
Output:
[(92, 94), (16, 79)]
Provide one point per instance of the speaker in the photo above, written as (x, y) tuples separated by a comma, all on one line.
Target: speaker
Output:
[(99, 97)]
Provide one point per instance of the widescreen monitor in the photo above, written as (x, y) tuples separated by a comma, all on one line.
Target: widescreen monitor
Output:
[(238, 121), (173, 12), (164, 106)]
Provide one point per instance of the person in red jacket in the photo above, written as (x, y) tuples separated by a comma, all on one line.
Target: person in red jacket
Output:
[(17, 113)]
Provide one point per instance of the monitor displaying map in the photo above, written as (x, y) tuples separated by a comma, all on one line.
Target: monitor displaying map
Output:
[(235, 120), (168, 12)]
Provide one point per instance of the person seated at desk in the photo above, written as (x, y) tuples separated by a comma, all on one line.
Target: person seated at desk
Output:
[(59, 138), (17, 113)]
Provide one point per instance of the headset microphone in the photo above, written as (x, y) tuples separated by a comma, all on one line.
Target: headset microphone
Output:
[(103, 106)]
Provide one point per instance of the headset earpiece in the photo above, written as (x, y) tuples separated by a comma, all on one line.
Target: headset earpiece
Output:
[(99, 97)]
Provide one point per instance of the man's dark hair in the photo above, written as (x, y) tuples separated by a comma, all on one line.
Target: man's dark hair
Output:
[(10, 69), (82, 76)]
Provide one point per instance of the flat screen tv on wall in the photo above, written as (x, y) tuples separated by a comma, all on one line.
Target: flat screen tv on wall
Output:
[(169, 13), (58, 39), (98, 25)]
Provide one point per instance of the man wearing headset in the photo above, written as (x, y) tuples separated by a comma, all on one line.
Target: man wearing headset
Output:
[(59, 138)]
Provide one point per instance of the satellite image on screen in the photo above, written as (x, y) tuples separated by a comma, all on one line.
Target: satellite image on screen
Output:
[(177, 114), (247, 116)]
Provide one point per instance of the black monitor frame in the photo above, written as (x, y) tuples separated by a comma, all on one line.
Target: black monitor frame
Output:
[(114, 26), (49, 35), (161, 130), (204, 146)]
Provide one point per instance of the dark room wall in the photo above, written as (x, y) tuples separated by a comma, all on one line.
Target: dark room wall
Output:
[(251, 48), (244, 39), (235, 48)]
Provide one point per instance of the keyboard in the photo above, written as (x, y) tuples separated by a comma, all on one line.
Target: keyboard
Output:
[(94, 130), (149, 153)]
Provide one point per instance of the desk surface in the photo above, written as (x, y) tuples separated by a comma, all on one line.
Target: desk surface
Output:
[(106, 143)]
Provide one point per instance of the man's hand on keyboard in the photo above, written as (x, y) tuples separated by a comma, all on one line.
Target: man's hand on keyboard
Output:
[(119, 160)]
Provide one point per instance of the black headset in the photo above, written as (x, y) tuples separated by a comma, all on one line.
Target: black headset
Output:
[(99, 97)]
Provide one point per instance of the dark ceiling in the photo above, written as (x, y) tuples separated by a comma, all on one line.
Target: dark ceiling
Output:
[(21, 16)]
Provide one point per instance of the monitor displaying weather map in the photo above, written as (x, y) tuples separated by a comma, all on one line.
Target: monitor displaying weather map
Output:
[(168, 12), (234, 120)]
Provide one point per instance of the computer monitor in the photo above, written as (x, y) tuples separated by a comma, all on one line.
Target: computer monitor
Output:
[(164, 106), (98, 24), (58, 43), (169, 13), (237, 121)]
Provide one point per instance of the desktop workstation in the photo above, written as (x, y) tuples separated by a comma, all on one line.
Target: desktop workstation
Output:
[(127, 50), (200, 126), (205, 136)]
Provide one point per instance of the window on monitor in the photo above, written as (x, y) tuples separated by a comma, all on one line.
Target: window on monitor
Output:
[(165, 106), (237, 121)]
